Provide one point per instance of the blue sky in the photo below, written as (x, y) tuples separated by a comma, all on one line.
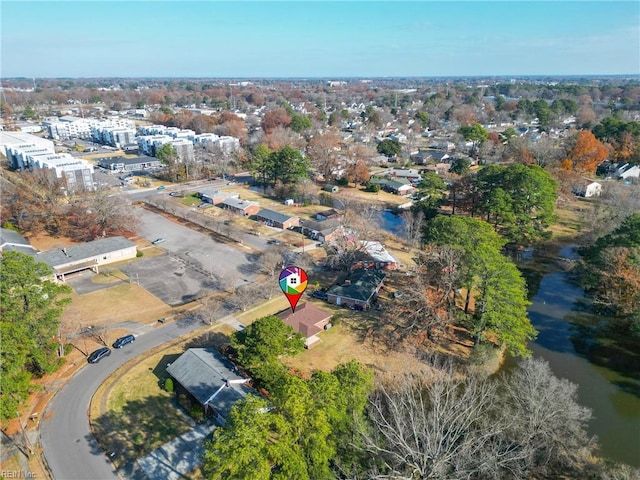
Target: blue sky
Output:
[(318, 38)]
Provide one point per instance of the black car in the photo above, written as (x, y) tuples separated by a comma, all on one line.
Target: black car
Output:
[(122, 341), (96, 356), (320, 294)]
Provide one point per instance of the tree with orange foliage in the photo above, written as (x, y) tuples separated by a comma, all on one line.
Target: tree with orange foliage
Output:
[(587, 153), (275, 118)]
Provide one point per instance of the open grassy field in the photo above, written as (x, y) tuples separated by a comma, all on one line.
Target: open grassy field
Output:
[(116, 304), (340, 344)]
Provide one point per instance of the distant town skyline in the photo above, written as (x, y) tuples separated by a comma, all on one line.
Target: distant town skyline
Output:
[(360, 39)]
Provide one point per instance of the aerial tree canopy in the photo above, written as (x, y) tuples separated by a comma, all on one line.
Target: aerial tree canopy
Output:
[(30, 308), (389, 147), (587, 153), (518, 200)]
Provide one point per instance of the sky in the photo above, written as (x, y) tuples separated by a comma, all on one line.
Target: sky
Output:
[(247, 39)]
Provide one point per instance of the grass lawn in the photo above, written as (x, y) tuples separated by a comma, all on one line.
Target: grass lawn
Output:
[(191, 200), (340, 344), (268, 307), (116, 304)]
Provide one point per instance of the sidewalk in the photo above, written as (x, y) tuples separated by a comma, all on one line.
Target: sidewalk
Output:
[(175, 459)]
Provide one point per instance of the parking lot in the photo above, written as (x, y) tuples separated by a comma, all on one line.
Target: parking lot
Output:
[(195, 264)]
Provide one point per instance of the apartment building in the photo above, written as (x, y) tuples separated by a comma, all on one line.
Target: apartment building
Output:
[(17, 146), (76, 173)]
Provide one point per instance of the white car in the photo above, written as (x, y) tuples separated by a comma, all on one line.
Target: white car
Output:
[(159, 240)]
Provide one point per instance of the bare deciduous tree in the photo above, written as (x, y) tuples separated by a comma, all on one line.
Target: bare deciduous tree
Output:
[(439, 425)]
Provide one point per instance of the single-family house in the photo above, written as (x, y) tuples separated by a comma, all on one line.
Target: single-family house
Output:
[(324, 231), (214, 196), (410, 174), (87, 256), (211, 380), (241, 207), (277, 219), (399, 186), (11, 240), (308, 319), (358, 290), (587, 188), (426, 156), (374, 255), (327, 214)]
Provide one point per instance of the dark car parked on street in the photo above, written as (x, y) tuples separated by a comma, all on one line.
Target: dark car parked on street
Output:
[(96, 356), (122, 341)]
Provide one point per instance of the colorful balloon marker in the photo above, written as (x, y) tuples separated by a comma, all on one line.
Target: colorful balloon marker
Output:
[(293, 282)]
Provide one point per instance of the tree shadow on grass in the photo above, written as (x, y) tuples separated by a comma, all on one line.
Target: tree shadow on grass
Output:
[(138, 429), (215, 340)]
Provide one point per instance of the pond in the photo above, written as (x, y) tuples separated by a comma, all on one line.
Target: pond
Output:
[(391, 222), (572, 339)]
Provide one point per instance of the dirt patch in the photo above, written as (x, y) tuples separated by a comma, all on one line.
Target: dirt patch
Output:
[(44, 242)]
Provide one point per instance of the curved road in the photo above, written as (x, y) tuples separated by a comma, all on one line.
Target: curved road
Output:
[(69, 446)]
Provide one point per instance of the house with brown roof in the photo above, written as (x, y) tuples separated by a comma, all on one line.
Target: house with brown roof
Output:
[(308, 320)]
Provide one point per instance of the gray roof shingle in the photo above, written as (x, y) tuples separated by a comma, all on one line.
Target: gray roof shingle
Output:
[(76, 253), (362, 287), (273, 216), (202, 372), (11, 237)]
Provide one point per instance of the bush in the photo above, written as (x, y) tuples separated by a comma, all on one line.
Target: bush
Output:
[(68, 348), (373, 187), (139, 254), (168, 385), (196, 413)]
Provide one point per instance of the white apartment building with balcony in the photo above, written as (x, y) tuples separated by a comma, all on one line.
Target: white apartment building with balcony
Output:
[(17, 146), (77, 173)]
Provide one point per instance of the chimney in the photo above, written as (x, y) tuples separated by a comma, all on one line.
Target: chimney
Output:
[(346, 283)]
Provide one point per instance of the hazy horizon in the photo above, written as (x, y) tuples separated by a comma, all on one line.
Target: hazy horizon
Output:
[(276, 40)]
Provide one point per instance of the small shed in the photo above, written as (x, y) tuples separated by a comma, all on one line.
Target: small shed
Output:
[(329, 187)]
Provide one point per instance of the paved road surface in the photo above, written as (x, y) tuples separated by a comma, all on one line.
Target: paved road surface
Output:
[(69, 447)]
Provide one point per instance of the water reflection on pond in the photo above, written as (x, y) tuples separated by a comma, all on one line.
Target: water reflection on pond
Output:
[(573, 341)]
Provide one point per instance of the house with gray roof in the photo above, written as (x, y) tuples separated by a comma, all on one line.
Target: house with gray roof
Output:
[(358, 290), (212, 380), (323, 231), (10, 240), (87, 256), (241, 207), (214, 196), (277, 219)]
